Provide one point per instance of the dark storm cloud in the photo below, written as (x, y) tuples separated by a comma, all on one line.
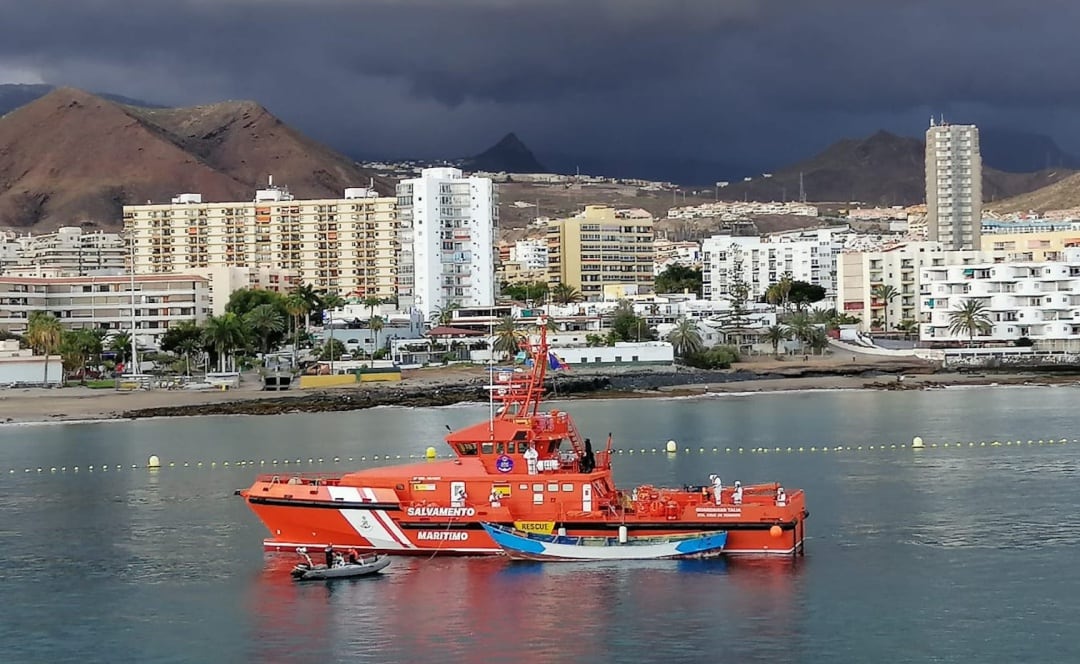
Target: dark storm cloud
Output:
[(706, 79)]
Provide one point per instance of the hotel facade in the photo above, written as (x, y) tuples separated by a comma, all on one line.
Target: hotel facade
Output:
[(447, 240), (602, 248), (347, 246), (156, 303)]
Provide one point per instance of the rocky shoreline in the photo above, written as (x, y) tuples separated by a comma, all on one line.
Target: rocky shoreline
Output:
[(615, 384)]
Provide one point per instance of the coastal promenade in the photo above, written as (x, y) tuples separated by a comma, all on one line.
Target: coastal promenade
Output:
[(441, 386)]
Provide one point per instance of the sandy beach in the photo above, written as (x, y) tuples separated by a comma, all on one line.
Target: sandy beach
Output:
[(77, 403)]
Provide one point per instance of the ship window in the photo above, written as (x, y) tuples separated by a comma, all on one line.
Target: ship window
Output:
[(499, 448), (538, 487), (486, 448), (569, 488), (523, 487), (553, 487), (523, 447), (467, 449)]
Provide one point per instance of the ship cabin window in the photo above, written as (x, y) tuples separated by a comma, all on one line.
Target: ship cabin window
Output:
[(568, 488), (499, 448), (523, 447), (487, 448), (553, 446), (467, 449)]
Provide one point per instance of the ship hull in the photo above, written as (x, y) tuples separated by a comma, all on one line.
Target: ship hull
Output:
[(386, 529)]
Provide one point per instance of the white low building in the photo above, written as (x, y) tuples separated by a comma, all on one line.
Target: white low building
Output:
[(22, 367), (1039, 301), (630, 352)]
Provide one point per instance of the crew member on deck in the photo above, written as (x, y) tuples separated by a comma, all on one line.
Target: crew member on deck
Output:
[(781, 497), (588, 459), (736, 495), (531, 455), (494, 498), (329, 551), (718, 488), (352, 556)]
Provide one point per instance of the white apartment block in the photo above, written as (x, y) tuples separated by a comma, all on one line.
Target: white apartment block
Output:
[(809, 256), (447, 241), (69, 251), (107, 302), (860, 274), (1040, 301), (953, 185), (530, 254), (346, 246)]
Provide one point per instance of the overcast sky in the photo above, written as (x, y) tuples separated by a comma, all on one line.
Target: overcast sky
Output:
[(743, 81)]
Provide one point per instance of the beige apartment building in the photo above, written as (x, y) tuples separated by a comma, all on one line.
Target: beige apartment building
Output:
[(106, 302), (602, 247), (1027, 246), (953, 186), (348, 246)]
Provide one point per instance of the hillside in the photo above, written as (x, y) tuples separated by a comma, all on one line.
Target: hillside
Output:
[(1062, 194), (75, 158), (883, 169)]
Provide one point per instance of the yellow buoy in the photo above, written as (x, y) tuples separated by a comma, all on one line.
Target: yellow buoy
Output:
[(672, 447), (153, 461), (917, 443), (430, 453)]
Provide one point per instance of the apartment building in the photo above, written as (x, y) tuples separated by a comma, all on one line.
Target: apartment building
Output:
[(953, 186), (531, 253), (1031, 242), (347, 246), (106, 302), (68, 251), (860, 274), (600, 248), (447, 239), (1040, 301), (808, 256)]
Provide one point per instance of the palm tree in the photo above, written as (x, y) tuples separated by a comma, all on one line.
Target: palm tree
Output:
[(778, 293), (776, 334), (77, 348), (187, 348), (565, 294), (801, 328), (43, 334), (312, 298), (817, 340), (444, 315), (330, 302), (296, 306), (908, 327), (226, 333), (120, 343), (685, 338), (886, 294), (264, 321), (376, 326), (371, 302), (507, 336), (971, 318)]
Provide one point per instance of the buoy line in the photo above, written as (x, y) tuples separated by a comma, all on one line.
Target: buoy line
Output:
[(155, 464)]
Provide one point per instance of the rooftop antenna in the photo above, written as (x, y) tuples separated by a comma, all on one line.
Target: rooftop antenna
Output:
[(931, 119), (270, 181), (802, 190)]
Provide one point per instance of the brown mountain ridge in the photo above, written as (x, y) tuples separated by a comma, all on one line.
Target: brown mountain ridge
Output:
[(72, 158)]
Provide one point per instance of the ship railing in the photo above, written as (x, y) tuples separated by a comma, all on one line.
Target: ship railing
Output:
[(303, 479)]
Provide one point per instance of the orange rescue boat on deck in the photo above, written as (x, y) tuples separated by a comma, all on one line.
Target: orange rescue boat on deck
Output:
[(522, 468)]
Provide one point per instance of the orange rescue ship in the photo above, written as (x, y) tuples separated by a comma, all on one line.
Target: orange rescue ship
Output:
[(522, 467)]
